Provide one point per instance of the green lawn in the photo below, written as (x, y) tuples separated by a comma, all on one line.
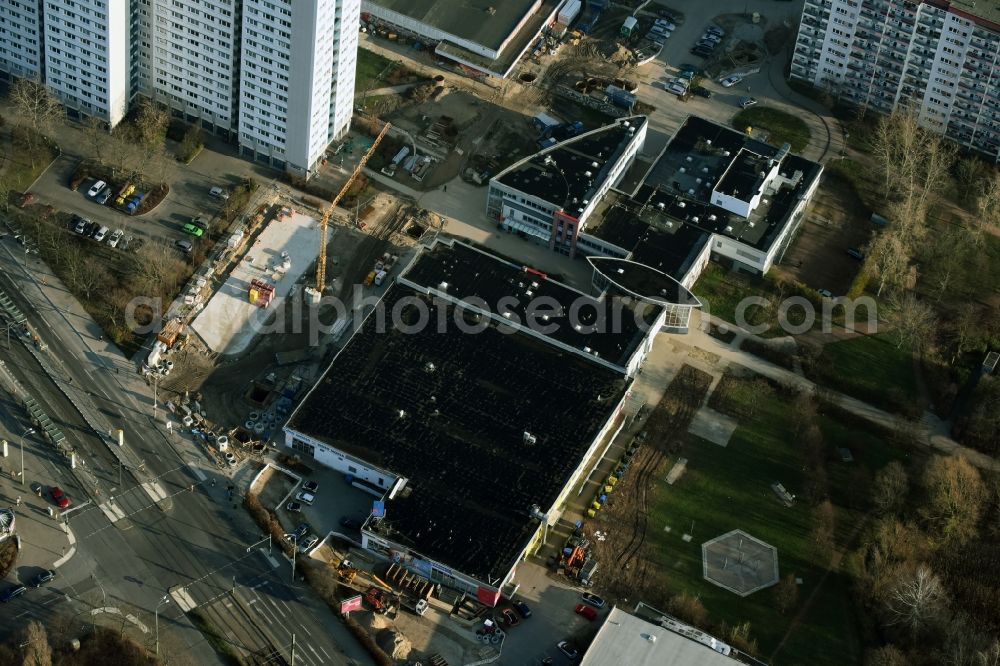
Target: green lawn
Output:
[(24, 167), (370, 65), (721, 292), (870, 368), (781, 126), (729, 488)]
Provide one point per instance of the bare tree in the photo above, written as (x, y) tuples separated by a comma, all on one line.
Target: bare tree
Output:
[(988, 208), (889, 259), (956, 497), (913, 321), (96, 133), (890, 488), (786, 593), (917, 601), (37, 108), (824, 518), (688, 608), (887, 655), (37, 651)]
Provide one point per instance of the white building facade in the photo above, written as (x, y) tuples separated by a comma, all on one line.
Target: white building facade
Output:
[(189, 54), (284, 120), (940, 59), (91, 56), (20, 39)]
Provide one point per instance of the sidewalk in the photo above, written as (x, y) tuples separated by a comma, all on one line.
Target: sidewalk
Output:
[(46, 542)]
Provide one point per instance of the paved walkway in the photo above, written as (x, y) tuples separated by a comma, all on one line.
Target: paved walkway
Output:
[(393, 90), (932, 430), (827, 134)]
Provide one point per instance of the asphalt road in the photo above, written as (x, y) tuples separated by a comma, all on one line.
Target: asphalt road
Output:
[(139, 549)]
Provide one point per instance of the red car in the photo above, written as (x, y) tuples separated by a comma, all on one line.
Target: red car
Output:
[(509, 618), (586, 611), (59, 497)]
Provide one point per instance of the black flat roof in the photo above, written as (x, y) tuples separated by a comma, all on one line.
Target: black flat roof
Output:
[(644, 281), (559, 175), (448, 411), (745, 175), (609, 329), (667, 220)]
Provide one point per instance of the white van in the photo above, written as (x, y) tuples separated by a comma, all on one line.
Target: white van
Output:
[(101, 234)]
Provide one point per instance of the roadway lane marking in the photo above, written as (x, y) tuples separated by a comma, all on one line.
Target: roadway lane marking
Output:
[(197, 472), (276, 608), (303, 628), (274, 562), (329, 658)]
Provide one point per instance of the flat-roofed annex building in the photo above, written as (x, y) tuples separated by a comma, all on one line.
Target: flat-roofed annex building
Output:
[(476, 430)]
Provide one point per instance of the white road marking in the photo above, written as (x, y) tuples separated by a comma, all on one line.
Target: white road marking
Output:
[(197, 472), (329, 658), (303, 627)]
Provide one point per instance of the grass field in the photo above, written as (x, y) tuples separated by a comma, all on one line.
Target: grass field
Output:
[(729, 488), (370, 66), (870, 368), (781, 126)]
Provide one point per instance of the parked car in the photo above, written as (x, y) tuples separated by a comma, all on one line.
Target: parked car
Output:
[(522, 608), (856, 253), (310, 487), (674, 87), (305, 498), (115, 238), (183, 245), (96, 188), (567, 649), (730, 80), (687, 75), (688, 67), (710, 37), (44, 577), (746, 101), (593, 600), (101, 234), (657, 38), (706, 44), (349, 523), (586, 611), (81, 225), (103, 197), (219, 192), (702, 51), (199, 222), (293, 507), (716, 30), (701, 91), (508, 618), (12, 593), (825, 293), (59, 497), (665, 24), (308, 542), (189, 228)]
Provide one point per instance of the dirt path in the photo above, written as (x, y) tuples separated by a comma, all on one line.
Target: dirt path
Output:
[(835, 561)]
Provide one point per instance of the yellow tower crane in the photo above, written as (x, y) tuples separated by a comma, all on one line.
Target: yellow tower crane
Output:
[(321, 262)]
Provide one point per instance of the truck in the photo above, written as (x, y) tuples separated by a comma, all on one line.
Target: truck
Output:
[(370, 278), (380, 278)]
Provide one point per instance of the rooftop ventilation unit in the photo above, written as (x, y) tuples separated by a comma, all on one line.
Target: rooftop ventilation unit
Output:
[(430, 367), (726, 153), (626, 124), (704, 169), (529, 439), (661, 205), (588, 174), (713, 217), (682, 204), (691, 191), (443, 286), (698, 180), (729, 229), (621, 271), (594, 164), (695, 219), (681, 170), (708, 142), (688, 159)]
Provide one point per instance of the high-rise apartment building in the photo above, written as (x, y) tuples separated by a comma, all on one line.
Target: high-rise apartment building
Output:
[(189, 59), (275, 76), (940, 58), (20, 39), (86, 51), (296, 78)]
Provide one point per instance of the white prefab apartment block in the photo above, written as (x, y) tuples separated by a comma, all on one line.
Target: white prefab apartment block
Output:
[(91, 56), (189, 53), (939, 58), (287, 120), (20, 39)]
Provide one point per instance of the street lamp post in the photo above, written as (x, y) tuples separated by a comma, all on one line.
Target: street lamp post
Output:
[(156, 621), (29, 431), (104, 602)]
